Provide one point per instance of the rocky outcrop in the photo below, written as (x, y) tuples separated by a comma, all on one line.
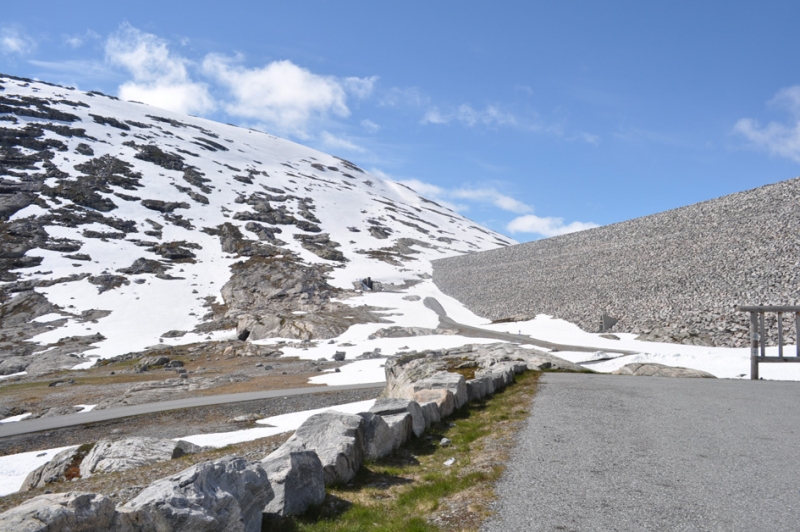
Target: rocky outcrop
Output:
[(54, 470), (228, 494), (282, 297), (61, 512), (297, 479), (651, 369), (109, 456)]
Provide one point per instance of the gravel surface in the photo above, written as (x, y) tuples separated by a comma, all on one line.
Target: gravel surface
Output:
[(674, 276), (178, 423), (654, 454)]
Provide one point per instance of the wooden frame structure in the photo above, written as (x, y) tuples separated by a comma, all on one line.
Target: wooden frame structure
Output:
[(758, 336)]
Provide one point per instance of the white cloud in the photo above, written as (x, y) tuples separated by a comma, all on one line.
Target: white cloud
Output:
[(528, 223), (483, 195), (466, 115), (491, 195), (160, 77), (332, 141), (587, 137), (407, 97), (13, 41), (370, 126), (781, 139), (360, 87), (434, 116), (79, 39), (283, 95), (547, 226), (492, 116)]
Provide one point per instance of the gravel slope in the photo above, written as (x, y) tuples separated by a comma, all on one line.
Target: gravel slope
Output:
[(653, 454), (674, 276)]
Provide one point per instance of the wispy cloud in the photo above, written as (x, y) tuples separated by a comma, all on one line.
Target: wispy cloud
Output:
[(339, 142), (780, 139), (491, 196), (403, 97), (77, 40), (370, 126), (467, 195), (360, 87), (160, 77), (466, 115), (495, 117), (14, 42), (546, 226)]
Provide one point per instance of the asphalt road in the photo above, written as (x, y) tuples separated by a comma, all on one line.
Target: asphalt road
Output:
[(57, 422), (620, 453)]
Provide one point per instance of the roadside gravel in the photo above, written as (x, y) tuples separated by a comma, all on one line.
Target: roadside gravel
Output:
[(653, 454)]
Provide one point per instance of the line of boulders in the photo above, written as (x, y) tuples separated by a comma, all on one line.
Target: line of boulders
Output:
[(329, 448)]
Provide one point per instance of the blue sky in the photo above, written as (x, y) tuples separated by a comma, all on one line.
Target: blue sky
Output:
[(532, 118)]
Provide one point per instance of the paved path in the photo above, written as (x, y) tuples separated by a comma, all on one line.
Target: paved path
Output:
[(57, 422), (446, 322), (617, 453)]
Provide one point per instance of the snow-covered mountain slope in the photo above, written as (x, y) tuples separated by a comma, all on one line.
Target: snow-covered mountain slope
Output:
[(124, 225)]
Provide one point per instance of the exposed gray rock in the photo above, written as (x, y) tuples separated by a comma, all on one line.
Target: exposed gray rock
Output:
[(338, 440), (453, 382), (14, 364), (60, 512), (51, 471), (263, 295), (378, 440), (651, 369), (109, 456), (297, 479), (396, 331), (228, 494), (401, 427), (443, 399), (59, 411), (390, 406), (63, 355), (431, 412), (500, 376), (476, 389)]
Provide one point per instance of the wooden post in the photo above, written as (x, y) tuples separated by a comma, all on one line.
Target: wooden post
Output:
[(763, 335), (780, 334), (753, 346), (797, 332)]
